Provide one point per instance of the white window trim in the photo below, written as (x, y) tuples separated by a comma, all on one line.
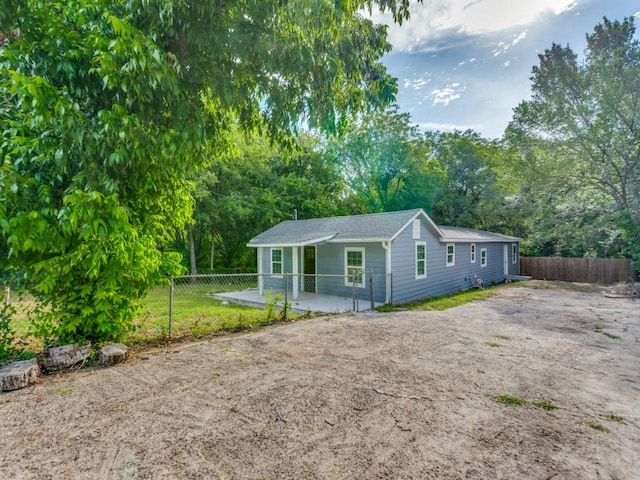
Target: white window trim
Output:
[(514, 253), (424, 275), (453, 254), (473, 253), (281, 262), (346, 266), (484, 257)]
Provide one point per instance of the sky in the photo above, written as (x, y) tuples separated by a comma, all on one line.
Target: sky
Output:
[(466, 64)]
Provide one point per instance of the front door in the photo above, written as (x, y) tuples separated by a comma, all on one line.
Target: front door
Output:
[(309, 269)]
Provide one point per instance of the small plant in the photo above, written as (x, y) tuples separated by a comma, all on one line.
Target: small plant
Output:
[(596, 426), (509, 400), (597, 328), (234, 408), (611, 335), (503, 337), (63, 391), (545, 405), (615, 418), (493, 344)]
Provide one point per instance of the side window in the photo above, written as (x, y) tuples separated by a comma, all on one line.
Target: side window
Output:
[(276, 261), (473, 253), (354, 267), (483, 257), (451, 254), (421, 260), (514, 253)]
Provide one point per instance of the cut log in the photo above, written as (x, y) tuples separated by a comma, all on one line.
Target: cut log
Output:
[(17, 375), (113, 353), (62, 358)]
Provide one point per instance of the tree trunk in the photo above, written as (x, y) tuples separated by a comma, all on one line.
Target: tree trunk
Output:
[(18, 374), (192, 251)]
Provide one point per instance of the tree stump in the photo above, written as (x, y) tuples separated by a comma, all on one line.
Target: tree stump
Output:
[(62, 358), (17, 375), (113, 353)]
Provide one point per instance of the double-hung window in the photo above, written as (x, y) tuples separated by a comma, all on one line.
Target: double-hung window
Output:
[(421, 260), (276, 261), (354, 266), (451, 254)]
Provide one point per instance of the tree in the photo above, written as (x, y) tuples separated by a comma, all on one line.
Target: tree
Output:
[(588, 113), (382, 158), (471, 182), (107, 109)]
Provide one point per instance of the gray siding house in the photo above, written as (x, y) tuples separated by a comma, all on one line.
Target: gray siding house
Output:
[(408, 256)]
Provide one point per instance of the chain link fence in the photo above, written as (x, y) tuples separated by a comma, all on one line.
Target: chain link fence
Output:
[(203, 294)]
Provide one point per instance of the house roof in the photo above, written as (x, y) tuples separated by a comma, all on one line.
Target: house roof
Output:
[(469, 235), (373, 227)]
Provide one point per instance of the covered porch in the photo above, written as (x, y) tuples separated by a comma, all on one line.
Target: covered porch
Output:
[(305, 301)]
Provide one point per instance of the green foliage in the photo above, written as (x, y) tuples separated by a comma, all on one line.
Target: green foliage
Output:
[(382, 158), (110, 109), (545, 405), (509, 400), (579, 138), (10, 346)]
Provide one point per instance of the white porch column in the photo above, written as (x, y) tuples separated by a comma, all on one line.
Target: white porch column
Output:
[(294, 268), (260, 277), (387, 260)]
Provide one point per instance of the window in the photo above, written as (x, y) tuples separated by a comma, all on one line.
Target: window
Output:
[(514, 253), (354, 266), (483, 257), (416, 229), (276, 261), (473, 253), (451, 254), (421, 260)]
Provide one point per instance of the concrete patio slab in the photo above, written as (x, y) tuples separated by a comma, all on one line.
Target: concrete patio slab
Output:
[(304, 303)]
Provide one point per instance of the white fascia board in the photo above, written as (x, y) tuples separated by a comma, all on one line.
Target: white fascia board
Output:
[(358, 240), (478, 240), (314, 241)]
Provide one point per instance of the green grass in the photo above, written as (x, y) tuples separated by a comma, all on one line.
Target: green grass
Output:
[(493, 344), (611, 335), (596, 426), (615, 418), (509, 400), (443, 302), (195, 313), (519, 402), (545, 405), (503, 337)]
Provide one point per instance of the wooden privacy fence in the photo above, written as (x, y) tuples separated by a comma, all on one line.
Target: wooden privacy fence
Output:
[(585, 270)]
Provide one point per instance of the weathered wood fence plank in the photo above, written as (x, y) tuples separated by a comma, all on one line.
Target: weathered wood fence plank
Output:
[(584, 270)]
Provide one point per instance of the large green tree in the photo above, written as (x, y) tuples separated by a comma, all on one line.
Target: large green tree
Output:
[(383, 159), (586, 114), (108, 107)]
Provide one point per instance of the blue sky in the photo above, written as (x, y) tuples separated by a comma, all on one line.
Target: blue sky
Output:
[(466, 64)]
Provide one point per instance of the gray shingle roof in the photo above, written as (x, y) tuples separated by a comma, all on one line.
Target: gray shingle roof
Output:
[(458, 234), (365, 228)]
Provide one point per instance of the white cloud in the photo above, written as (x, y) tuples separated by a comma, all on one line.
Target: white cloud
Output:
[(433, 18), (447, 94), (416, 83), (448, 127)]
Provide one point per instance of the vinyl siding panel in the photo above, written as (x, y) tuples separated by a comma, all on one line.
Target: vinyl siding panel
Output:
[(442, 279)]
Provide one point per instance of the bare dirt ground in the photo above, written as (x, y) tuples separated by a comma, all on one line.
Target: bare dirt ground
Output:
[(404, 395)]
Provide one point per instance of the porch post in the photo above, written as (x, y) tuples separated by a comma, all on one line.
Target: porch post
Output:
[(294, 267), (387, 264), (260, 277)]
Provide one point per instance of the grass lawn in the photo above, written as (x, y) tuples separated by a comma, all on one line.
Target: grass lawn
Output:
[(444, 302), (195, 313)]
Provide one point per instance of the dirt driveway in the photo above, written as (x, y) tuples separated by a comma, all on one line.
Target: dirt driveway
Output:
[(406, 395)]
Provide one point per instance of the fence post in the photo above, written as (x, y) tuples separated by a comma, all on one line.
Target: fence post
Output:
[(373, 305), (171, 305), (286, 289)]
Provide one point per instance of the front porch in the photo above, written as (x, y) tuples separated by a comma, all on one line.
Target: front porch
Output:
[(306, 302)]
